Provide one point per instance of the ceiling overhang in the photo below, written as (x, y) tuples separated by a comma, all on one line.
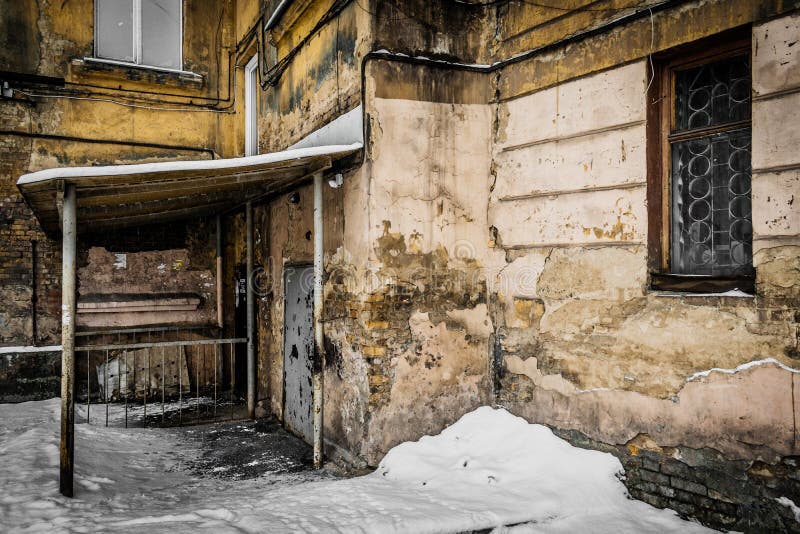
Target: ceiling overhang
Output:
[(121, 196)]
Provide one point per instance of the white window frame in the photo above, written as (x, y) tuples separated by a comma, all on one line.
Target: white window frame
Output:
[(251, 107), (137, 40)]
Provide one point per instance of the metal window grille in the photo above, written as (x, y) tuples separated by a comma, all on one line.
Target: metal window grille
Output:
[(710, 173)]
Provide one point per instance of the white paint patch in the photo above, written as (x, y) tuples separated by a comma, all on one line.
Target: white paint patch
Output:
[(743, 367), (475, 321), (346, 129), (120, 261)]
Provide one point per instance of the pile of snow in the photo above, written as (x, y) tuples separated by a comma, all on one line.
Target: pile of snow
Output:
[(489, 470)]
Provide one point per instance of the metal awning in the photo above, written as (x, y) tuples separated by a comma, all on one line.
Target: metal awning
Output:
[(118, 196)]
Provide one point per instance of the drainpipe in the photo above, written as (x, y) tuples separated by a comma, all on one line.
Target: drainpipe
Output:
[(218, 358), (251, 307), (219, 272), (69, 244), (34, 293), (319, 333)]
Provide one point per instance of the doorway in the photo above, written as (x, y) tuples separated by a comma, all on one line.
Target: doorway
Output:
[(239, 362), (298, 350)]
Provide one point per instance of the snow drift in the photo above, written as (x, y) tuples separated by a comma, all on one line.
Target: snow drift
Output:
[(488, 470)]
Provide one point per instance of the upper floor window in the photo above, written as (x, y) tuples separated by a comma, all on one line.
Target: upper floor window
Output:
[(142, 32), (703, 173)]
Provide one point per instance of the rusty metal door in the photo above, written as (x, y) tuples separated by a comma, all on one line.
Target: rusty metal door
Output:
[(298, 350)]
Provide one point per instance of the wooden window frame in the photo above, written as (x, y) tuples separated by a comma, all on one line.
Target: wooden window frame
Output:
[(660, 124), (137, 39)]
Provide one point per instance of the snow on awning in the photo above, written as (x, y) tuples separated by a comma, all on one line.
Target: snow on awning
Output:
[(118, 196)]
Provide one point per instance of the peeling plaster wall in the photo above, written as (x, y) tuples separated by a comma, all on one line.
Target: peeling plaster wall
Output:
[(569, 209), (495, 249), (586, 348), (322, 81), (419, 325), (104, 277)]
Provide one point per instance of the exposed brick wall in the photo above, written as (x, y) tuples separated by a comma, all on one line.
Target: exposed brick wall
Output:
[(375, 326), (702, 484), (30, 376), (18, 232)]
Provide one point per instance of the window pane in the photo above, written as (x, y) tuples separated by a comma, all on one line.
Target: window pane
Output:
[(713, 94), (113, 30), (712, 232), (161, 33)]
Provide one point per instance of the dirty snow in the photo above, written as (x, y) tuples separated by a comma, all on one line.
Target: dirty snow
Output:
[(487, 470)]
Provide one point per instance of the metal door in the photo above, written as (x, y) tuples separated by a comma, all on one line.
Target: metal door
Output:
[(298, 350)]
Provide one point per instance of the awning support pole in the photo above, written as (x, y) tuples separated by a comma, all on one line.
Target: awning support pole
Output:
[(68, 295), (251, 309), (319, 333)]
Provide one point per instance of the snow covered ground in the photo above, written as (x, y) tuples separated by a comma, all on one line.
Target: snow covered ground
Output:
[(489, 470)]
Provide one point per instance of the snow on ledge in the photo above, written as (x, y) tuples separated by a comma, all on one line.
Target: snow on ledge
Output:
[(737, 293), (193, 165), (29, 348), (743, 367)]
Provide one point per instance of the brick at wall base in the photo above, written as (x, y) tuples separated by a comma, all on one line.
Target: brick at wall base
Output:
[(703, 485), (30, 376)]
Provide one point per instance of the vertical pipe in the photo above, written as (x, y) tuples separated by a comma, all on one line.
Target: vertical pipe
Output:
[(34, 297), (105, 381), (180, 387), (197, 383), (127, 386), (251, 345), (319, 334), (219, 271), (163, 383), (216, 360), (68, 296), (233, 375), (88, 390), (146, 386)]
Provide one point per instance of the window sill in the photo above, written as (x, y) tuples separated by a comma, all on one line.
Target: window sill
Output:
[(732, 294), (688, 285), (136, 73)]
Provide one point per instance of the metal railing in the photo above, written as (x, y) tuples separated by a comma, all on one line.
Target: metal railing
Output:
[(161, 383)]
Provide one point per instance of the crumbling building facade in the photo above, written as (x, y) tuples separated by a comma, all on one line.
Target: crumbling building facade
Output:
[(583, 212)]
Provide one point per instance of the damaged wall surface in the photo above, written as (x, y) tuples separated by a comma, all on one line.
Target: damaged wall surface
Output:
[(493, 242), (495, 248), (584, 344)]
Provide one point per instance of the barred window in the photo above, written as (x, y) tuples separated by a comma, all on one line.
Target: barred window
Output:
[(699, 174), (711, 230)]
